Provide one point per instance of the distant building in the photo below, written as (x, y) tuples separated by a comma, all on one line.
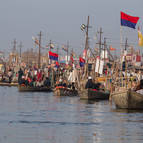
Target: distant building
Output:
[(13, 59), (29, 57)]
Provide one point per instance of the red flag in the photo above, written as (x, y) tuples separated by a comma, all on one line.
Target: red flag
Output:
[(111, 48), (129, 21), (53, 56)]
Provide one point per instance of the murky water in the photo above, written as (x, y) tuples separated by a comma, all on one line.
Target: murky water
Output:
[(45, 118)]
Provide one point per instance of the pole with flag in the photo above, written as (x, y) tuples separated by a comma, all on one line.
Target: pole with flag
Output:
[(127, 21)]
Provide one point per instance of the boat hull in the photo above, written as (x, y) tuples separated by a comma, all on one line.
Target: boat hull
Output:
[(128, 99), (8, 84), (33, 89), (89, 94)]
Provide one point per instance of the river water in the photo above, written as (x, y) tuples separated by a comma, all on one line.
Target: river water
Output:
[(45, 118)]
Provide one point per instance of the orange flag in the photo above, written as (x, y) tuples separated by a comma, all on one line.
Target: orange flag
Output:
[(111, 48)]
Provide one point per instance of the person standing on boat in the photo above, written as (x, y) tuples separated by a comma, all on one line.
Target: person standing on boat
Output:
[(39, 78), (20, 74), (89, 83), (10, 75), (59, 83)]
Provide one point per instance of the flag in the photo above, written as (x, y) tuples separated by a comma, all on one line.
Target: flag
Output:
[(64, 48), (50, 45), (111, 48), (53, 56), (83, 27), (140, 38), (81, 61), (129, 21), (35, 40)]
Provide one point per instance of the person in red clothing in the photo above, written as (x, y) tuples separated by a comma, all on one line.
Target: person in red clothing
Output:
[(39, 76)]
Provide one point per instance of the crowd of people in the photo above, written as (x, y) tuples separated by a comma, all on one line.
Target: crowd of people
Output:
[(62, 77), (34, 77)]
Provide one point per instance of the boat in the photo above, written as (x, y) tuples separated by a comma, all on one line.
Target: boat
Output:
[(8, 84), (64, 91), (23, 88), (127, 99), (92, 94)]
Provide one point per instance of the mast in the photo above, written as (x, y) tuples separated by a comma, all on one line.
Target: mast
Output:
[(86, 42), (39, 55), (20, 49), (100, 40), (126, 45), (14, 46), (14, 59), (86, 48), (100, 44), (50, 44), (105, 47)]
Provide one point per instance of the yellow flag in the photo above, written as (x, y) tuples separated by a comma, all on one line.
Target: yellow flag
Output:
[(140, 38)]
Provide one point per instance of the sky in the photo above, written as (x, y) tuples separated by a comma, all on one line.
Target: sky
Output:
[(60, 21)]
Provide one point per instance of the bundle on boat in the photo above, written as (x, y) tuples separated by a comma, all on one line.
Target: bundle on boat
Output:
[(65, 91)]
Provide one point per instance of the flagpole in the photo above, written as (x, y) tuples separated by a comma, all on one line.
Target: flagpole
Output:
[(50, 50), (39, 54), (67, 50), (121, 40)]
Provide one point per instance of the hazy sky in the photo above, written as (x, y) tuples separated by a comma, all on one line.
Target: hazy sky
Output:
[(60, 20)]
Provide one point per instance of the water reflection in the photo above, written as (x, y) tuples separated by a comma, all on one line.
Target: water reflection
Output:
[(45, 118)]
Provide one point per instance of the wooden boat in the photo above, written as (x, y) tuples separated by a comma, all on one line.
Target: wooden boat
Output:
[(64, 91), (127, 99), (92, 94), (8, 84), (23, 88)]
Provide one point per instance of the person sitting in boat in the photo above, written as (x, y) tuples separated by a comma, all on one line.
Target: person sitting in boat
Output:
[(26, 80), (30, 81), (89, 83), (97, 86), (65, 83), (133, 83), (71, 86), (60, 82), (47, 82), (22, 81)]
